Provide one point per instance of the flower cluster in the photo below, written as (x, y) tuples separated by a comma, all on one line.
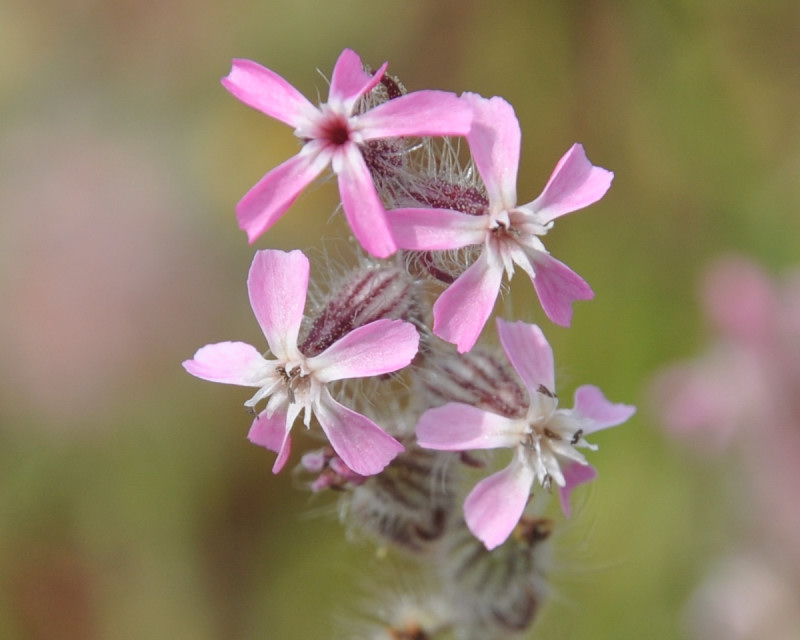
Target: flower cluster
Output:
[(398, 442)]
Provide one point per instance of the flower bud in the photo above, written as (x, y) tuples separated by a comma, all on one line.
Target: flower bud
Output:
[(408, 504), (369, 293)]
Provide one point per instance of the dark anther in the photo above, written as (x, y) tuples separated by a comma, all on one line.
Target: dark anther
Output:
[(545, 391)]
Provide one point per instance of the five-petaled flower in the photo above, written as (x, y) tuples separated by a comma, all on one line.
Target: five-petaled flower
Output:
[(508, 232), (294, 383), (543, 440), (333, 134)]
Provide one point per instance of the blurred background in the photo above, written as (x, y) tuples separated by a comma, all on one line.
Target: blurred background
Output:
[(132, 505)]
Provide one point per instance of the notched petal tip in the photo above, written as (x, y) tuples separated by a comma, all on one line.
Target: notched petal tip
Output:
[(350, 81), (591, 403), (226, 362), (574, 184), (264, 90), (277, 284), (558, 287)]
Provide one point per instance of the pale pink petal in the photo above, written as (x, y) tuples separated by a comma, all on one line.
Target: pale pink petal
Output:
[(349, 81), (272, 433), (591, 403), (270, 197), (574, 474), (494, 142), (314, 461), (277, 283), (435, 229), (228, 362), (461, 312), (529, 353), (461, 427), (361, 444), (494, 507), (422, 113), (558, 287), (574, 184), (265, 90), (695, 400), (376, 348), (362, 204)]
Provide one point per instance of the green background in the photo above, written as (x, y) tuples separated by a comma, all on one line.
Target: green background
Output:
[(131, 504)]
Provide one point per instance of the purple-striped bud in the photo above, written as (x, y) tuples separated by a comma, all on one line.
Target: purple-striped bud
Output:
[(368, 294), (499, 591), (409, 504), (479, 378)]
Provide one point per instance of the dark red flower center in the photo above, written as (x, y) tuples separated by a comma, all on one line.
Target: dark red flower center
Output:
[(337, 131)]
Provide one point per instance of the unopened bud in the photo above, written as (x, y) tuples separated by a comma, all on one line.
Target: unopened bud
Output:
[(370, 293), (408, 504), (478, 378)]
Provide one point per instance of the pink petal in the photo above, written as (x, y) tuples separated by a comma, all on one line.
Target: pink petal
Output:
[(529, 353), (277, 283), (461, 427), (265, 90), (361, 444), (422, 113), (349, 81), (494, 507), (591, 403), (435, 229), (362, 205), (376, 348), (575, 474), (574, 184), (272, 433), (268, 200), (228, 362), (461, 312), (558, 287), (494, 142)]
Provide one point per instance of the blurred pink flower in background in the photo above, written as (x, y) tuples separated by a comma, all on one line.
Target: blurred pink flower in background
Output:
[(741, 395), (747, 596), (98, 274)]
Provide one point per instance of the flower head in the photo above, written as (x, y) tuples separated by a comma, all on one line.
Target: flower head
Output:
[(333, 134), (544, 439), (293, 383), (509, 233)]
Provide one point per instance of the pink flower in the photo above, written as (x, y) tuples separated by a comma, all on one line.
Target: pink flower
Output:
[(543, 440), (333, 135), (509, 233), (749, 370), (294, 383)]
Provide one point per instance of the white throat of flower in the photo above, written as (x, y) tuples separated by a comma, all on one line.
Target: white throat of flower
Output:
[(512, 229), (551, 435), (290, 386)]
